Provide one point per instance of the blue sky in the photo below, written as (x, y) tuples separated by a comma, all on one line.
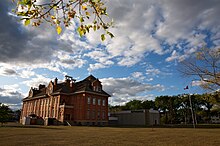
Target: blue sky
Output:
[(140, 62)]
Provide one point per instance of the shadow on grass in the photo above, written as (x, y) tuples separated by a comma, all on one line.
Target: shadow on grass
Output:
[(200, 126), (31, 126), (53, 127)]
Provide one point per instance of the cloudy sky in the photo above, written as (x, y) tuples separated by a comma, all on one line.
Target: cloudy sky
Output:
[(140, 62)]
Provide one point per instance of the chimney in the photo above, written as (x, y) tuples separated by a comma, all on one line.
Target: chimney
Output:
[(68, 79), (41, 86), (72, 85), (67, 82), (55, 81)]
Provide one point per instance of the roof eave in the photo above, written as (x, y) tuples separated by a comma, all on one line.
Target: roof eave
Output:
[(35, 97)]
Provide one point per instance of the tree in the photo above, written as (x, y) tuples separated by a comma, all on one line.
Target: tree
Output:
[(133, 105), (204, 66), (90, 14), (161, 103), (5, 113), (148, 104), (169, 105), (184, 109), (16, 115), (207, 101)]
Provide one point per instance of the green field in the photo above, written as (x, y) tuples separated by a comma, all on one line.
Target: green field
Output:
[(63, 135)]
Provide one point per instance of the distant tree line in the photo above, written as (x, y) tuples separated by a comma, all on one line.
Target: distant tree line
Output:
[(8, 115), (176, 109)]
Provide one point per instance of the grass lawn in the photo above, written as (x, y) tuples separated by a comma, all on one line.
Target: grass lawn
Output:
[(63, 135)]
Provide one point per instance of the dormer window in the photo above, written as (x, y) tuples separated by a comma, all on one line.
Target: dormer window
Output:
[(97, 88)]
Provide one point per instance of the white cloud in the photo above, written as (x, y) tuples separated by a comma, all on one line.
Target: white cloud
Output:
[(125, 89), (198, 83), (137, 74), (153, 71), (27, 73), (68, 61), (119, 45), (95, 66), (140, 27), (35, 82), (11, 96), (99, 56), (150, 79), (174, 56), (129, 61), (102, 58)]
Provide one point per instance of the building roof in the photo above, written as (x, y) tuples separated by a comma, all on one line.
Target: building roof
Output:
[(68, 87)]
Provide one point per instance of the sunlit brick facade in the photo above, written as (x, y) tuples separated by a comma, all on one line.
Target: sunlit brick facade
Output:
[(82, 103)]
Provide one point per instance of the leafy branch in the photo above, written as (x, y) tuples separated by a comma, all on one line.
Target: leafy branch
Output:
[(60, 13)]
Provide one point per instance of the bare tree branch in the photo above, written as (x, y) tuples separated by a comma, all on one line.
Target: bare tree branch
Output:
[(205, 66)]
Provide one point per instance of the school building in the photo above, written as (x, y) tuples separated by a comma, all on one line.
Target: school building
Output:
[(68, 102)]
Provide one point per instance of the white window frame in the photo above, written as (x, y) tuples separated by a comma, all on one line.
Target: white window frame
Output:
[(99, 101), (89, 100), (94, 101), (103, 102)]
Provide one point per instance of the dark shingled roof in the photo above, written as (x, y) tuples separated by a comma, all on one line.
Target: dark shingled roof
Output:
[(81, 86)]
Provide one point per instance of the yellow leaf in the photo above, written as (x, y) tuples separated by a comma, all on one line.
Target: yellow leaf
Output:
[(102, 37), (27, 22), (52, 17), (55, 8), (59, 29), (94, 27), (84, 8), (81, 19), (87, 13)]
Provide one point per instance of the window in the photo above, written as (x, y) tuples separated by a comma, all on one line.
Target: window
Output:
[(103, 102), (97, 88), (93, 101), (103, 115), (52, 113), (99, 101), (93, 114), (89, 100), (47, 101), (98, 115), (88, 114)]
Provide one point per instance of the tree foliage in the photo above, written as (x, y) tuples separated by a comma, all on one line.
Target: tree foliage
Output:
[(169, 106), (90, 14), (134, 105), (5, 113), (177, 109), (204, 66)]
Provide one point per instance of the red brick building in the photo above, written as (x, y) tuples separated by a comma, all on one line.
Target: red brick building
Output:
[(83, 102)]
